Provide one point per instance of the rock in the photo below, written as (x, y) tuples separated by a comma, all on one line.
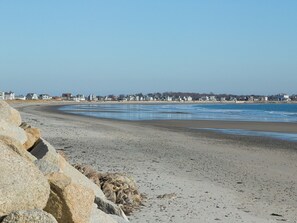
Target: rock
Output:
[(167, 196), (25, 125), (46, 167), (17, 147), (69, 202), (9, 114), (22, 185), (98, 216), (78, 177), (90, 173), (7, 129), (47, 157), (43, 150), (103, 204), (33, 135), (29, 216), (118, 219), (48, 161), (109, 208)]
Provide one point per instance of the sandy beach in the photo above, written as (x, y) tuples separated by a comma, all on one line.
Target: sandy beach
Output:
[(208, 177)]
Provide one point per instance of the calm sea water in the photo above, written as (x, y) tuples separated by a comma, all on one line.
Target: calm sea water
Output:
[(238, 112), (228, 112)]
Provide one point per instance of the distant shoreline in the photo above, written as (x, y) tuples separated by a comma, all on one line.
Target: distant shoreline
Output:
[(282, 127), (145, 102), (191, 126)]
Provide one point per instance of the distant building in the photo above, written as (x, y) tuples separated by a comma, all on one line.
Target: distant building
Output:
[(2, 95), (169, 98), (44, 97), (92, 97), (212, 98), (250, 98), (264, 98), (20, 97), (283, 97), (81, 97), (294, 97), (66, 96), (32, 96), (74, 98), (9, 95), (204, 98)]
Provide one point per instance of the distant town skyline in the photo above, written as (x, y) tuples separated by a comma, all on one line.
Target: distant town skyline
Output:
[(114, 47)]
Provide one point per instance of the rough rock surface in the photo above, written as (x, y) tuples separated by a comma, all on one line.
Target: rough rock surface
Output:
[(7, 129), (29, 216), (9, 114), (16, 146), (69, 202), (33, 134), (98, 216), (43, 150), (22, 185), (47, 157)]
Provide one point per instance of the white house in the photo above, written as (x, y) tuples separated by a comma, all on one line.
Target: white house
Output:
[(74, 98), (204, 98), (80, 97), (91, 97), (264, 98), (20, 97), (1, 95), (32, 96), (9, 95), (283, 97), (169, 98), (44, 97)]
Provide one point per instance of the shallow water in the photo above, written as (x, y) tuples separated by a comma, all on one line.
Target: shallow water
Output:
[(226, 112), (276, 135)]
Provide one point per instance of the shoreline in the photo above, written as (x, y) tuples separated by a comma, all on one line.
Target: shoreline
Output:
[(214, 176), (199, 127)]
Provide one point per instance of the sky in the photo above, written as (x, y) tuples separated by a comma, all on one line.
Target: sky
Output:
[(132, 46)]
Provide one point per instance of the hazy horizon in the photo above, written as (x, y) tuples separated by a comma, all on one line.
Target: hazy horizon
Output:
[(114, 47)]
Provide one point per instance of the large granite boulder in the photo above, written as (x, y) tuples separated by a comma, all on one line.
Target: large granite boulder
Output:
[(29, 216), (69, 202), (9, 114), (33, 135), (47, 157), (7, 129), (22, 185), (16, 146)]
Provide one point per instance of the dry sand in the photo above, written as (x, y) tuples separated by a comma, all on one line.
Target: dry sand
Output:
[(216, 178)]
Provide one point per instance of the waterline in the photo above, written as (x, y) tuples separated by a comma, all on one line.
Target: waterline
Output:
[(276, 135)]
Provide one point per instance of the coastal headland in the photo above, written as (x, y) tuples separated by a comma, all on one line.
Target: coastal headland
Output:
[(188, 175)]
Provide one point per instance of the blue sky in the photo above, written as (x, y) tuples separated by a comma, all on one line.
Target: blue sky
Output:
[(104, 47)]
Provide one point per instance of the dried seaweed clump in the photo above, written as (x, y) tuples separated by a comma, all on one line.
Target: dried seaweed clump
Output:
[(118, 188)]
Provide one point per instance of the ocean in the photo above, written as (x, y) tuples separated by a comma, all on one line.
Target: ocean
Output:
[(226, 112)]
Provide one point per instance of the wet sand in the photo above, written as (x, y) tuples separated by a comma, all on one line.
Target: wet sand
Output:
[(216, 177)]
